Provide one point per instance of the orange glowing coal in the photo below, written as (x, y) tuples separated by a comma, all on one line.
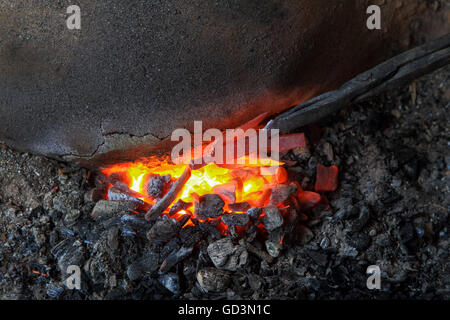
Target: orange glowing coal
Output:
[(249, 182), (243, 183)]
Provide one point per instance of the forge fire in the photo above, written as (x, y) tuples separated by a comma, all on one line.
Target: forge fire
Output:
[(254, 199), (224, 150)]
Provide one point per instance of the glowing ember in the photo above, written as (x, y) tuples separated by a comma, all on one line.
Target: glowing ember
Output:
[(249, 181), (184, 192)]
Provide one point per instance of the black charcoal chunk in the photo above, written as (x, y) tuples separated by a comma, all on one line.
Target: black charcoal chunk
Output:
[(171, 282), (213, 280), (146, 264), (254, 213), (235, 219), (175, 257), (155, 185), (272, 218), (225, 255), (163, 230), (94, 195), (191, 235), (106, 209), (281, 193), (209, 206), (239, 207), (273, 248), (116, 194)]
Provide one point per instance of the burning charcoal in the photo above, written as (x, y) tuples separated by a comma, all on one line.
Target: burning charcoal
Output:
[(184, 219), (281, 193), (169, 197), (239, 207), (254, 213), (209, 206), (146, 264), (308, 199), (264, 198), (236, 219), (178, 206), (175, 257), (326, 178), (281, 175), (225, 255), (94, 195), (272, 218), (213, 280), (116, 194), (105, 208), (171, 282), (227, 192), (163, 230), (155, 185)]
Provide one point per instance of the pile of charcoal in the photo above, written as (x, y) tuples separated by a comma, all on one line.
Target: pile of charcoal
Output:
[(173, 249)]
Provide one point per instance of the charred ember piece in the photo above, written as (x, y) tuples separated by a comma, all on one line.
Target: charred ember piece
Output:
[(281, 193), (272, 218), (254, 213), (163, 230), (169, 197), (326, 178), (184, 220), (116, 180), (239, 207), (178, 206), (213, 280), (235, 219), (156, 184), (105, 208), (209, 206), (175, 257), (225, 255), (116, 194)]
